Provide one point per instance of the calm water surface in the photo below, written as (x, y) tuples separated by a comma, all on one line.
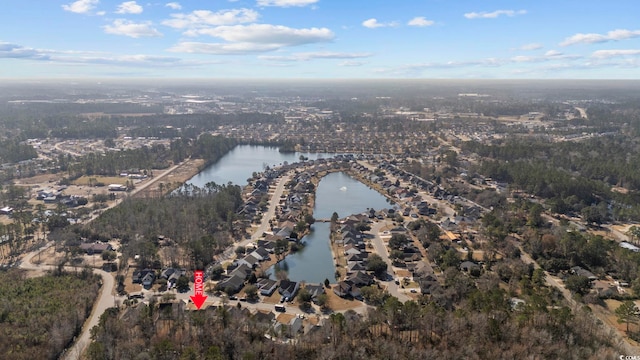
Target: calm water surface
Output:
[(337, 192), (241, 162)]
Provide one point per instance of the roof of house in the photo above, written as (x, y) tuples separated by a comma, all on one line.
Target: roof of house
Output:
[(342, 288), (95, 247), (265, 317), (287, 286), (314, 289), (243, 271), (262, 252), (266, 283), (468, 265), (251, 260), (234, 282), (360, 278)]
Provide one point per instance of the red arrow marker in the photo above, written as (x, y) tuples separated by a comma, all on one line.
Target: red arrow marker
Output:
[(198, 298)]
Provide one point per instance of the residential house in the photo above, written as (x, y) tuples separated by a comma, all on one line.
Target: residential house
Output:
[(148, 280), (249, 261), (354, 266), (267, 286), (360, 278), (357, 257), (314, 290), (95, 248), (268, 245), (342, 289), (288, 325), (351, 250), (263, 319), (261, 254), (172, 275), (468, 266), (138, 275), (243, 271), (577, 270), (288, 288), (231, 284)]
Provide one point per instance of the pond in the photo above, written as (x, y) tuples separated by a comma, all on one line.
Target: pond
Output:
[(336, 192)]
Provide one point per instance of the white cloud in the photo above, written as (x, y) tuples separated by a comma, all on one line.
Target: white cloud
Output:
[(614, 35), (494, 14), (14, 51), (285, 3), (351, 63), (420, 21), (551, 58), (129, 7), (131, 29), (373, 23), (201, 18), (606, 54), (553, 53), (268, 34), (243, 39), (174, 5), (306, 56), (334, 55), (531, 46), (221, 48), (81, 6), (522, 59)]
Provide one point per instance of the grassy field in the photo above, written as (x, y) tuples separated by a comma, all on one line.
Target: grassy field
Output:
[(107, 180)]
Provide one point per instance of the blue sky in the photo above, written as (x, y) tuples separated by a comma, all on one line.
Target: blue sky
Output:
[(456, 39)]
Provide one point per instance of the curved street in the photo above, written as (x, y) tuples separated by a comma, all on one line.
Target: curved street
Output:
[(104, 301)]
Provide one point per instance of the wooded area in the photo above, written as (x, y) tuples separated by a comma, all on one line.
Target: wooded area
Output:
[(40, 316), (482, 324)]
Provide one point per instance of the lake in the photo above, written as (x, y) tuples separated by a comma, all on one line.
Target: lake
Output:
[(240, 163), (336, 192)]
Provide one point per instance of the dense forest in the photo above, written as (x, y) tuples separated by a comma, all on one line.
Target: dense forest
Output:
[(12, 151), (199, 220), (40, 316), (575, 177)]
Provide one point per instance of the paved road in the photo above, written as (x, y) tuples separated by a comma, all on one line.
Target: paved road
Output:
[(271, 212), (551, 280), (264, 224), (104, 301), (381, 250)]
